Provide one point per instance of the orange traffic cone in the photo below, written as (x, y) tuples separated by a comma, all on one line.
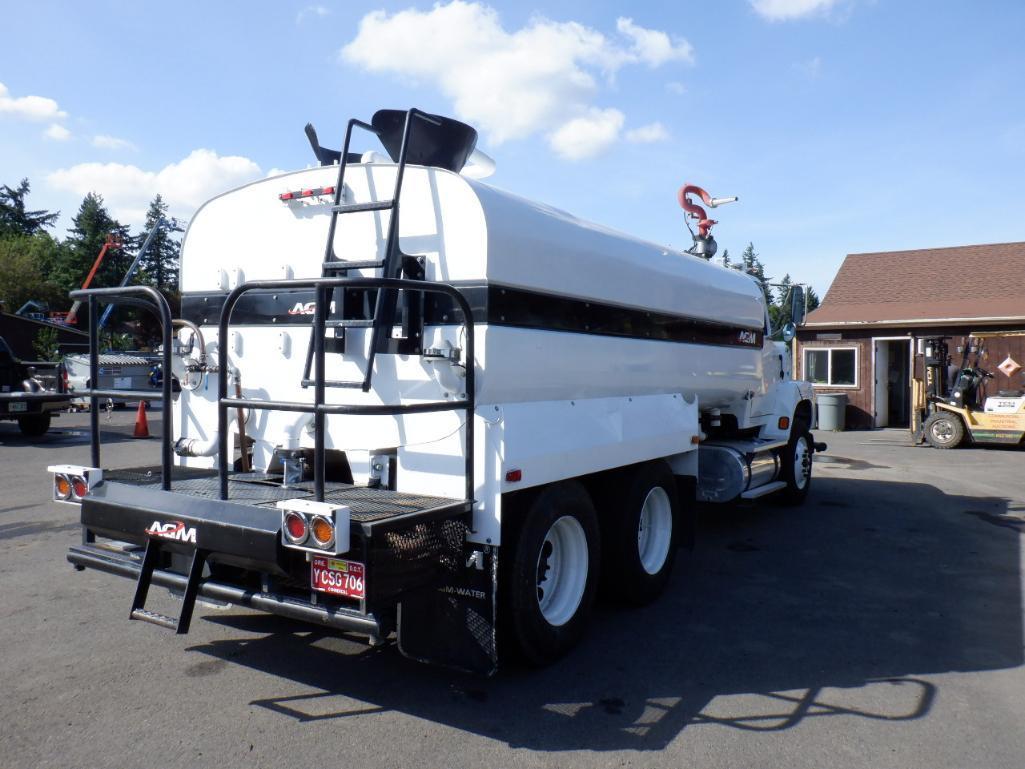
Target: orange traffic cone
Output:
[(141, 425)]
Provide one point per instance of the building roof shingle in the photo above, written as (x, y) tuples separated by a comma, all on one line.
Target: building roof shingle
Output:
[(961, 283)]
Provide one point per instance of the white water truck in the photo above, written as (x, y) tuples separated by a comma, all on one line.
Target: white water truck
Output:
[(453, 426)]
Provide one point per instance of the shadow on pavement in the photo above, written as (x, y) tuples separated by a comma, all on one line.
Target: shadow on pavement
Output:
[(838, 608), (62, 435)]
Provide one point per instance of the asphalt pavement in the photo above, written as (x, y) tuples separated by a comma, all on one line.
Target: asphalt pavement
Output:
[(879, 625)]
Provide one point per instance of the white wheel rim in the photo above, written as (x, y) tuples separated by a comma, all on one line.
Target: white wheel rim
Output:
[(942, 430), (802, 463), (562, 570), (655, 530)]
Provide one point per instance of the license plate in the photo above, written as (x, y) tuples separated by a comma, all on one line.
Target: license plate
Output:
[(16, 406), (337, 577)]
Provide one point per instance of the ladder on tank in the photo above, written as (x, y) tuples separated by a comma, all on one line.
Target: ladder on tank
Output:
[(395, 264)]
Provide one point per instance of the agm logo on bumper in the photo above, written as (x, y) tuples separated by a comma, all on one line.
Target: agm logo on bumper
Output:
[(173, 530)]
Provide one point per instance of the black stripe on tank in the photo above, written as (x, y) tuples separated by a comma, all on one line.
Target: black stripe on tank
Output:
[(490, 303)]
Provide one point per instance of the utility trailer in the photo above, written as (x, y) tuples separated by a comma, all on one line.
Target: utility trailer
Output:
[(452, 427)]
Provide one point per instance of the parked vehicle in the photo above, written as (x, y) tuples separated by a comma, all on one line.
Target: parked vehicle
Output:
[(18, 379), (958, 411), (464, 421), (118, 371)]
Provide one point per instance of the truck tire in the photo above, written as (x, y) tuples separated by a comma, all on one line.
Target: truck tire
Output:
[(553, 574), (944, 430), (34, 425), (796, 464), (641, 534)]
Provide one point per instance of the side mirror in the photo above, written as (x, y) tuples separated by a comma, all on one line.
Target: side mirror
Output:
[(789, 332), (797, 312)]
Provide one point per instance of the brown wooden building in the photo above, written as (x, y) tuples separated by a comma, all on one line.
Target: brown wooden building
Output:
[(864, 340)]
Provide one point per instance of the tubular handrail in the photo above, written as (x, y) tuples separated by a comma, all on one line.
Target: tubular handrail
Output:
[(155, 302), (319, 409)]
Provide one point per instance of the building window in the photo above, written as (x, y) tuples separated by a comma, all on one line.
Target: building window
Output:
[(831, 366)]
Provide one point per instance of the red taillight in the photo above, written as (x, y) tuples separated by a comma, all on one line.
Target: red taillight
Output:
[(286, 196), (79, 486), (328, 191), (514, 476), (295, 528)]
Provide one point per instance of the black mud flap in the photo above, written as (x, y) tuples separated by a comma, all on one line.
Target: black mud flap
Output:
[(453, 625)]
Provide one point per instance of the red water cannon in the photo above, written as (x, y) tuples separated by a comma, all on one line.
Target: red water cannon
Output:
[(704, 244)]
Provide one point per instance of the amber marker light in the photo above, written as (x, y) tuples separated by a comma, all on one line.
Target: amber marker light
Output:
[(323, 531), (61, 486)]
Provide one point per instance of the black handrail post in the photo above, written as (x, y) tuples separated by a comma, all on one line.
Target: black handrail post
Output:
[(319, 464), (222, 388), (166, 405), (471, 396), (94, 379)]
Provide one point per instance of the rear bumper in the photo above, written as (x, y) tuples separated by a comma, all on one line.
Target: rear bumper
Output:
[(126, 564), (238, 534)]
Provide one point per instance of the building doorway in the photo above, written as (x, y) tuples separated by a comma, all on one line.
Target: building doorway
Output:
[(891, 367)]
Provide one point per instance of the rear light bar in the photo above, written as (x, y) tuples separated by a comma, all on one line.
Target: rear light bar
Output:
[(314, 527), (311, 192), (73, 482)]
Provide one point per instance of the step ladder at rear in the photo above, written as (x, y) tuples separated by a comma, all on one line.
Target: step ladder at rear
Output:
[(179, 625)]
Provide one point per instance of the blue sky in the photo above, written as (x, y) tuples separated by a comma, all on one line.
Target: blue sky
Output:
[(843, 125)]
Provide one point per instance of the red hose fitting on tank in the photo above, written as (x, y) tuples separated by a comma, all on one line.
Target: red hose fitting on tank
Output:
[(696, 211)]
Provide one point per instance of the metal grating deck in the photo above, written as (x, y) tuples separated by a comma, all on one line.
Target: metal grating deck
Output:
[(367, 505)]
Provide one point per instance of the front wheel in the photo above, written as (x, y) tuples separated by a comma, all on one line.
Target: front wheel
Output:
[(553, 574), (944, 430), (796, 461)]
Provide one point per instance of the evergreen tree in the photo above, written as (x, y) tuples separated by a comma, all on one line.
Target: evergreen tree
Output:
[(811, 299), (91, 227), (726, 258), (753, 266), (160, 262), (14, 219)]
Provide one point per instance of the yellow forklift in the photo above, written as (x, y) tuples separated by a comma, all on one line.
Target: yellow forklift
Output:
[(949, 406)]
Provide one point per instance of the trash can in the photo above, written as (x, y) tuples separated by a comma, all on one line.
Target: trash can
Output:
[(832, 408)]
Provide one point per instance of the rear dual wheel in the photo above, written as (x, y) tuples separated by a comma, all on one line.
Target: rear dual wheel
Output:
[(553, 575), (642, 524)]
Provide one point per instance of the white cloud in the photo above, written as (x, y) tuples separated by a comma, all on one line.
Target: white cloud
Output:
[(29, 107), (586, 136), (311, 10), (784, 10), (57, 132), (185, 185), (540, 79), (105, 142), (810, 68), (676, 87), (647, 134), (654, 47)]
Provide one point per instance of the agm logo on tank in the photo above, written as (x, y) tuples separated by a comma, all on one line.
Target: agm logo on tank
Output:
[(307, 308), (172, 530)]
